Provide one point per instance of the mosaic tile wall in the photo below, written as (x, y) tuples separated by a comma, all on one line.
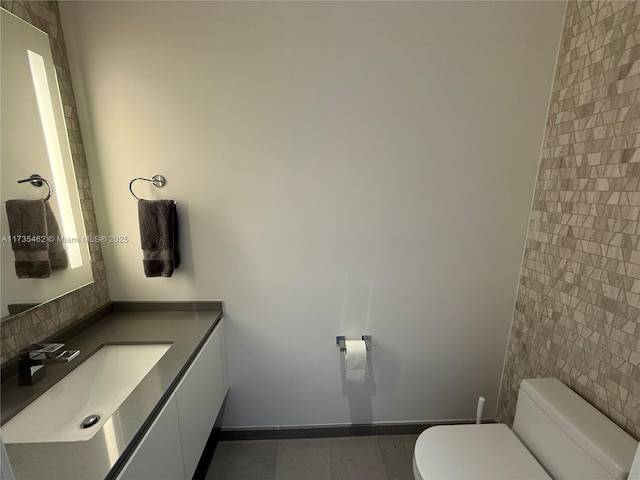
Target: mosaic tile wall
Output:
[(578, 303), (42, 322)]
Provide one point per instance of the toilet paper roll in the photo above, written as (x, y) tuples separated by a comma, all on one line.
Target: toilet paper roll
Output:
[(356, 361)]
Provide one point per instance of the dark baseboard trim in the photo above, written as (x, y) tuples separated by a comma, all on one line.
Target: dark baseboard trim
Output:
[(207, 306), (323, 431)]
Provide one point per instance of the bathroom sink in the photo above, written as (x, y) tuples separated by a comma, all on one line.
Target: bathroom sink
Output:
[(96, 388)]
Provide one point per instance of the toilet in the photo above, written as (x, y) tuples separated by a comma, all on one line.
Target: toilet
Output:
[(556, 435)]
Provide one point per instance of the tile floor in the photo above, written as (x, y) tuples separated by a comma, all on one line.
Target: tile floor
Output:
[(384, 457)]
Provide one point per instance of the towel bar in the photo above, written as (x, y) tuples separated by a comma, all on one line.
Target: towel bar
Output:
[(156, 181)]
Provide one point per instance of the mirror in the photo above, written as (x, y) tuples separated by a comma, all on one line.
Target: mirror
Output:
[(34, 141)]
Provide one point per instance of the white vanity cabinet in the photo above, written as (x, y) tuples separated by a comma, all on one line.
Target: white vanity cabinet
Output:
[(199, 397), (174, 444), (159, 454)]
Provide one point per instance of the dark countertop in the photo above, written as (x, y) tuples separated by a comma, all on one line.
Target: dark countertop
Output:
[(103, 455)]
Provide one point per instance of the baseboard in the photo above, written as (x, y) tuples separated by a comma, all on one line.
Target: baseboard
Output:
[(219, 434), (323, 431)]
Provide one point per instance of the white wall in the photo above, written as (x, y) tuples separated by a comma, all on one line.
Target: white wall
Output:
[(340, 168)]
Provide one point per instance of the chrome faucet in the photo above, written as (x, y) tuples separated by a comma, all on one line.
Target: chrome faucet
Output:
[(31, 360)]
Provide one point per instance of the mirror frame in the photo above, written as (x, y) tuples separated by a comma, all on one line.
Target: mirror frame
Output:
[(48, 318), (17, 295)]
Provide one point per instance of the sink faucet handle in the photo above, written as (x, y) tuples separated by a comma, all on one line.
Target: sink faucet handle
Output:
[(47, 347), (41, 350)]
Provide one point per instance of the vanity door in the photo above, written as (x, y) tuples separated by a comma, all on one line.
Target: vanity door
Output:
[(200, 396), (159, 454)]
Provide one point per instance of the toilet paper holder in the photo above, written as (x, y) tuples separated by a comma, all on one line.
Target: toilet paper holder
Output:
[(341, 342)]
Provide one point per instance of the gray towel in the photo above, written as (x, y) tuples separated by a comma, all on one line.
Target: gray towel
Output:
[(28, 228), (158, 237), (57, 253)]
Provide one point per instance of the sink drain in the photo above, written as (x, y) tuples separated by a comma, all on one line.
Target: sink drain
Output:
[(90, 421)]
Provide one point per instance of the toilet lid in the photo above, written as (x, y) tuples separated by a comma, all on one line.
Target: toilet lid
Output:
[(459, 452)]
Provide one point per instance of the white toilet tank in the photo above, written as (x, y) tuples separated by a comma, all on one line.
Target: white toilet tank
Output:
[(568, 436)]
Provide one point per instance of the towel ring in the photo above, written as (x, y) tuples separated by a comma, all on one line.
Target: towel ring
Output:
[(156, 181), (37, 181)]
